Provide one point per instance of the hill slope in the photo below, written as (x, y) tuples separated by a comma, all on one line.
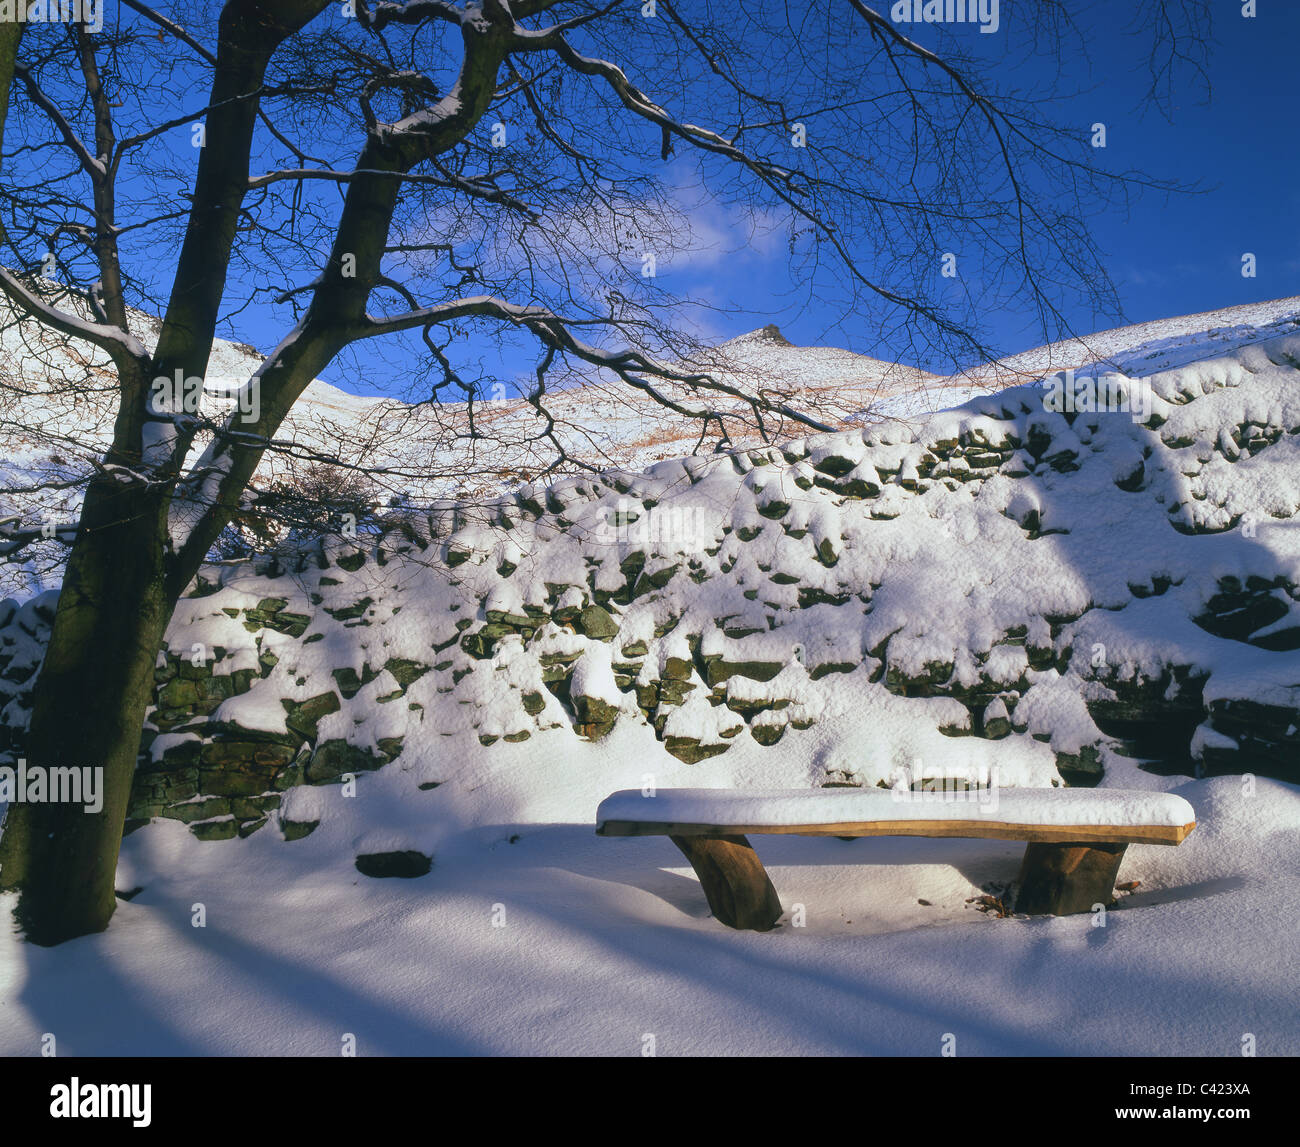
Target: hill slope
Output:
[(424, 452), (997, 592)]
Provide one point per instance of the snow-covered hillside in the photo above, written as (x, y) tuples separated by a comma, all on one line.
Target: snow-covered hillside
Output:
[(52, 433), (1141, 348), (1001, 592)]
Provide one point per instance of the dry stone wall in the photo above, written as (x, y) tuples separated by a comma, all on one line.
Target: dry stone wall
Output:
[(1063, 593)]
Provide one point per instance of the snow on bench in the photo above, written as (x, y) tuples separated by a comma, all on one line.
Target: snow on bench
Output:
[(1076, 837), (1008, 814)]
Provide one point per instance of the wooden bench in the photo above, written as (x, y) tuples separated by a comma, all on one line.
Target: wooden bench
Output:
[(1076, 837)]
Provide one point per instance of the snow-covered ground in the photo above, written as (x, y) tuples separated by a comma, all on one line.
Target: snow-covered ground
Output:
[(603, 942)]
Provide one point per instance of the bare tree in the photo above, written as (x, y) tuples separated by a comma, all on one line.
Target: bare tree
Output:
[(352, 180)]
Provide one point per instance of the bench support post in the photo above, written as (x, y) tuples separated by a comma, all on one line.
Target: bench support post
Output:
[(1062, 879), (734, 880)]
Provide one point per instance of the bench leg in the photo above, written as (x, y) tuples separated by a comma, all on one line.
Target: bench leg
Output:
[(734, 880), (1061, 879)]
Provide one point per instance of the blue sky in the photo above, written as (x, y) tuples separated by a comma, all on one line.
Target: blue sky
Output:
[(1172, 254), (1169, 255)]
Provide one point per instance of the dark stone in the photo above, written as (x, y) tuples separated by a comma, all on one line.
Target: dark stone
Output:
[(596, 623), (349, 683), (303, 716), (205, 809), (406, 672), (690, 750), (225, 829), (253, 756), (719, 670), (407, 864), (1082, 769), (333, 759), (835, 466), (350, 612), (767, 734), (297, 829)]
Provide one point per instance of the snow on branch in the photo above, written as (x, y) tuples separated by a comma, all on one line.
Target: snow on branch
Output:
[(411, 12), (114, 339)]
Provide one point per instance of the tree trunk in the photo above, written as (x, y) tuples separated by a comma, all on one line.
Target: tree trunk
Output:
[(11, 31), (88, 710)]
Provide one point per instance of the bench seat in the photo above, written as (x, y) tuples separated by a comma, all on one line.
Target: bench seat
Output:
[(1076, 837)]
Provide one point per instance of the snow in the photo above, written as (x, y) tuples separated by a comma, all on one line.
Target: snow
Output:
[(773, 808), (531, 935), (602, 942), (593, 676), (425, 450), (71, 322)]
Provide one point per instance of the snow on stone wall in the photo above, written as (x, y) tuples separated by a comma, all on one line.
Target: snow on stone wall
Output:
[(1048, 594)]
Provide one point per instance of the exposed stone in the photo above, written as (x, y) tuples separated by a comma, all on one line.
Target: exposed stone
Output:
[(334, 759), (349, 683), (834, 465), (297, 829), (303, 716), (1238, 612), (657, 580), (690, 750), (817, 672), (293, 624), (1082, 769), (767, 734), (774, 509), (1153, 718), (407, 864), (597, 623), (205, 809), (673, 692), (595, 717), (350, 612), (223, 828), (719, 670)]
